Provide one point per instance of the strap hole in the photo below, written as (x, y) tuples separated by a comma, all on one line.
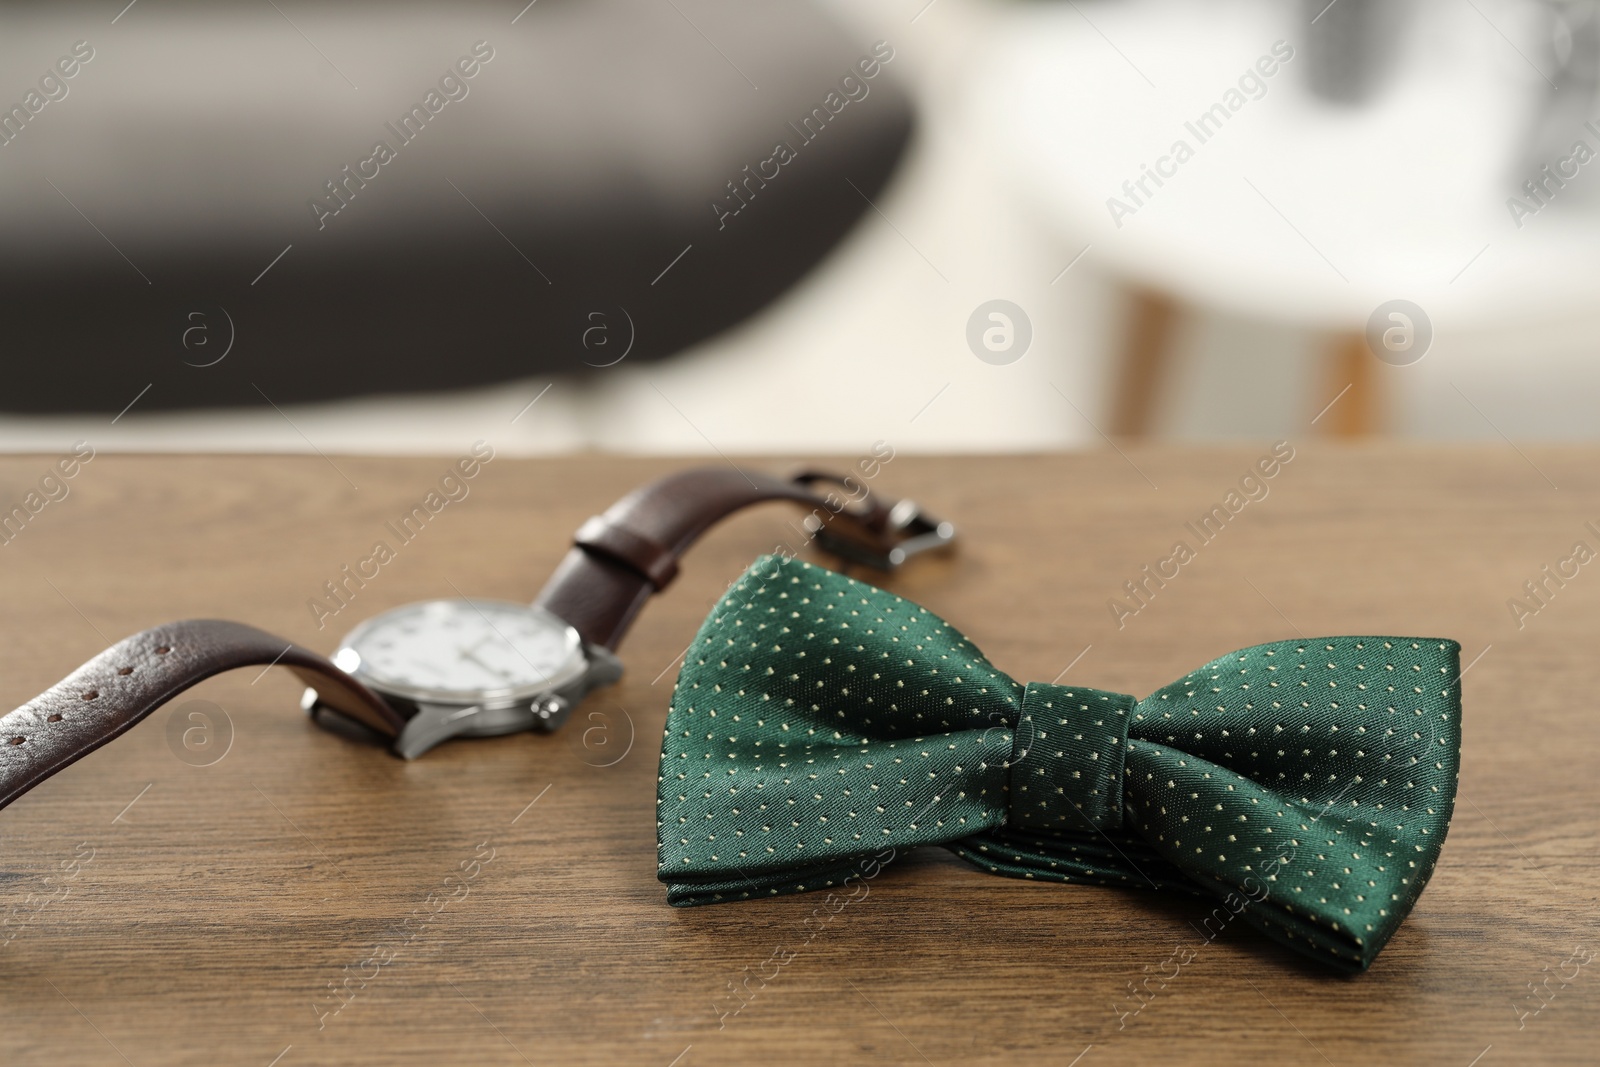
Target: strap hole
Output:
[(56, 717), (91, 694), (163, 650), (125, 670), (18, 740)]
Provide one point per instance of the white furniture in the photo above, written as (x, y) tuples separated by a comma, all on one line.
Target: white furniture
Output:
[(1286, 208)]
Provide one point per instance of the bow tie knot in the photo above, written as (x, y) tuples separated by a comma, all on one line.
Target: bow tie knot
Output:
[(1067, 765), (818, 722)]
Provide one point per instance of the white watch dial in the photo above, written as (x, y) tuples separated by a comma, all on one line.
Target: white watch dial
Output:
[(464, 651)]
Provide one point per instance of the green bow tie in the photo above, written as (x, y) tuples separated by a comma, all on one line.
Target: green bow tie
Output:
[(821, 726)]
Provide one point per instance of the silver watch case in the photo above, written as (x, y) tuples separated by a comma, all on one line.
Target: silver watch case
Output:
[(434, 715)]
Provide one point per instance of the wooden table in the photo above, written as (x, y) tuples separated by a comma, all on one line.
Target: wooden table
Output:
[(199, 914)]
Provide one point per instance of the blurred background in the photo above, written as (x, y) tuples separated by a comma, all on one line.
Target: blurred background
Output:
[(691, 226)]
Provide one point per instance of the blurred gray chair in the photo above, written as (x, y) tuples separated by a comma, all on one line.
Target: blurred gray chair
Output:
[(160, 207)]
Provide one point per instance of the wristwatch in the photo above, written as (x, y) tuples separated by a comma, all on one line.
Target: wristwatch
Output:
[(421, 673), (482, 668)]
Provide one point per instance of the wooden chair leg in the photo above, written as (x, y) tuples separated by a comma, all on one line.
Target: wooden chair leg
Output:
[(1352, 371), (1145, 362)]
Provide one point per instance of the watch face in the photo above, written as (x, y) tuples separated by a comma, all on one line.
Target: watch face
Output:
[(464, 651)]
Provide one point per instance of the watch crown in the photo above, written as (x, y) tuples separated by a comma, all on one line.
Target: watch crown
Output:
[(550, 712)]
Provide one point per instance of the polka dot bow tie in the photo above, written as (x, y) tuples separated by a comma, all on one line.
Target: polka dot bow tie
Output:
[(821, 726)]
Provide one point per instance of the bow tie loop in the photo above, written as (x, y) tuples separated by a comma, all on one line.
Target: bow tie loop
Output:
[(1068, 765)]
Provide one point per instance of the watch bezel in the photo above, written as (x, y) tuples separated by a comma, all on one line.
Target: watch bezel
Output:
[(574, 663)]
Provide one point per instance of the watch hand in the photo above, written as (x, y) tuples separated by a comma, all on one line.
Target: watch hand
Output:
[(498, 672), (467, 654)]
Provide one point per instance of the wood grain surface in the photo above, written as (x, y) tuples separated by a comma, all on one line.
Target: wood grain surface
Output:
[(158, 912)]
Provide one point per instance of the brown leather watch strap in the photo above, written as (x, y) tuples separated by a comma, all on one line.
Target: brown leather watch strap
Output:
[(631, 551), (114, 691)]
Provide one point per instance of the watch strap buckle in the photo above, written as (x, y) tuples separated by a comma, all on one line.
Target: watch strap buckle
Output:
[(889, 535)]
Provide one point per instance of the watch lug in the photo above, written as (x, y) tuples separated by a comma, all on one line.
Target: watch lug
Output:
[(604, 667), (432, 724), (338, 722)]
